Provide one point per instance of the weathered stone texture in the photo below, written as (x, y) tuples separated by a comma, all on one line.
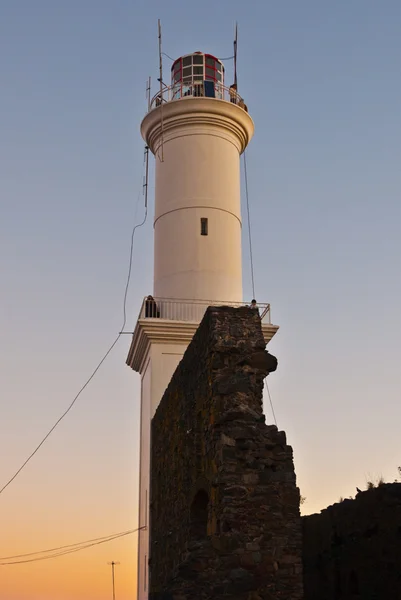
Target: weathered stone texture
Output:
[(353, 549), (225, 519)]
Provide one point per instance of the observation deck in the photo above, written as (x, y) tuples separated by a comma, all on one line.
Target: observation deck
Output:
[(165, 320), (197, 89)]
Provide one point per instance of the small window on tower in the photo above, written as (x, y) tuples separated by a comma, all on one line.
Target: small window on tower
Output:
[(204, 228)]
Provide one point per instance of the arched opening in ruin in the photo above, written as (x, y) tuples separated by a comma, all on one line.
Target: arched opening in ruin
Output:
[(337, 586), (353, 584), (199, 515)]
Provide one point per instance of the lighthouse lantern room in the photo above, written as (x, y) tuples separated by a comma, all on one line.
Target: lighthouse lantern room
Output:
[(197, 70)]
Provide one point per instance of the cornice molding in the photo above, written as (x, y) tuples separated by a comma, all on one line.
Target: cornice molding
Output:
[(269, 331), (161, 331), (157, 331), (204, 113)]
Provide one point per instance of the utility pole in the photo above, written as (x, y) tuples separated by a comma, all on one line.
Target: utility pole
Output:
[(112, 563)]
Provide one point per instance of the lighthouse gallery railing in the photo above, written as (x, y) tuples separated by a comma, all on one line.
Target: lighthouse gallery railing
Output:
[(190, 310), (196, 89)]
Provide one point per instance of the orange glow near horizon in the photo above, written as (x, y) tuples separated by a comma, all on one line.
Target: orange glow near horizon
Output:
[(46, 509), (84, 575)]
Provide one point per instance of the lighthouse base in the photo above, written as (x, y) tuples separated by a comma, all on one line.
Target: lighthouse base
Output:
[(156, 350)]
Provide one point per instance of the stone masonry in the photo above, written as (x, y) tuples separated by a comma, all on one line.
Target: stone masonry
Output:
[(353, 549), (224, 511)]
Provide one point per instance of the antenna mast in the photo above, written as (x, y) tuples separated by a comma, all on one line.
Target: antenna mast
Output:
[(235, 54), (148, 87), (161, 87), (146, 176)]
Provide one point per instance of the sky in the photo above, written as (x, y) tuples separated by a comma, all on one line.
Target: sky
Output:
[(322, 83)]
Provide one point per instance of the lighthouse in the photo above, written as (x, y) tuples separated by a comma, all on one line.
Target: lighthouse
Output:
[(196, 128)]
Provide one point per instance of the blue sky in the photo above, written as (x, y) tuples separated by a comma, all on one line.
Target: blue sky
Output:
[(322, 82)]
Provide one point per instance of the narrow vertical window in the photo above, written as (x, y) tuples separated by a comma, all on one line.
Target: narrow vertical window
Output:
[(145, 573), (204, 227)]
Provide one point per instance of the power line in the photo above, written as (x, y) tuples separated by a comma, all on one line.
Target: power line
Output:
[(105, 355), (62, 416), (72, 550), (58, 554), (129, 271), (103, 537), (271, 403), (249, 224), (145, 188)]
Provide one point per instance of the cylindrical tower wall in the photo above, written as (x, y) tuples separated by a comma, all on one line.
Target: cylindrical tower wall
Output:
[(197, 226)]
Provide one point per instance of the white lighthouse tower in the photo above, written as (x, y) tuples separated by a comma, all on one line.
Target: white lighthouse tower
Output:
[(197, 129)]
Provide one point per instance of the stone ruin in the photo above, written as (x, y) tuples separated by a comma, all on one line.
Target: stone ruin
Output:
[(224, 512)]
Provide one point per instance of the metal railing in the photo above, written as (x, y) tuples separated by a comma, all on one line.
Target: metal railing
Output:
[(190, 310), (197, 89)]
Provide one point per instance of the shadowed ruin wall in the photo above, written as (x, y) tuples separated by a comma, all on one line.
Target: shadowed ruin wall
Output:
[(353, 549), (224, 511)]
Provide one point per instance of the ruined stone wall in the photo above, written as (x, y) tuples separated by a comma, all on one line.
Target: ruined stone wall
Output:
[(224, 513), (353, 549)]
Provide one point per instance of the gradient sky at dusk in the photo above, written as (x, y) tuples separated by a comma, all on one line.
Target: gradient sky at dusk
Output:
[(322, 82)]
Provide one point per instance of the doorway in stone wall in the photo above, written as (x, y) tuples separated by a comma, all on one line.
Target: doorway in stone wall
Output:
[(199, 516)]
